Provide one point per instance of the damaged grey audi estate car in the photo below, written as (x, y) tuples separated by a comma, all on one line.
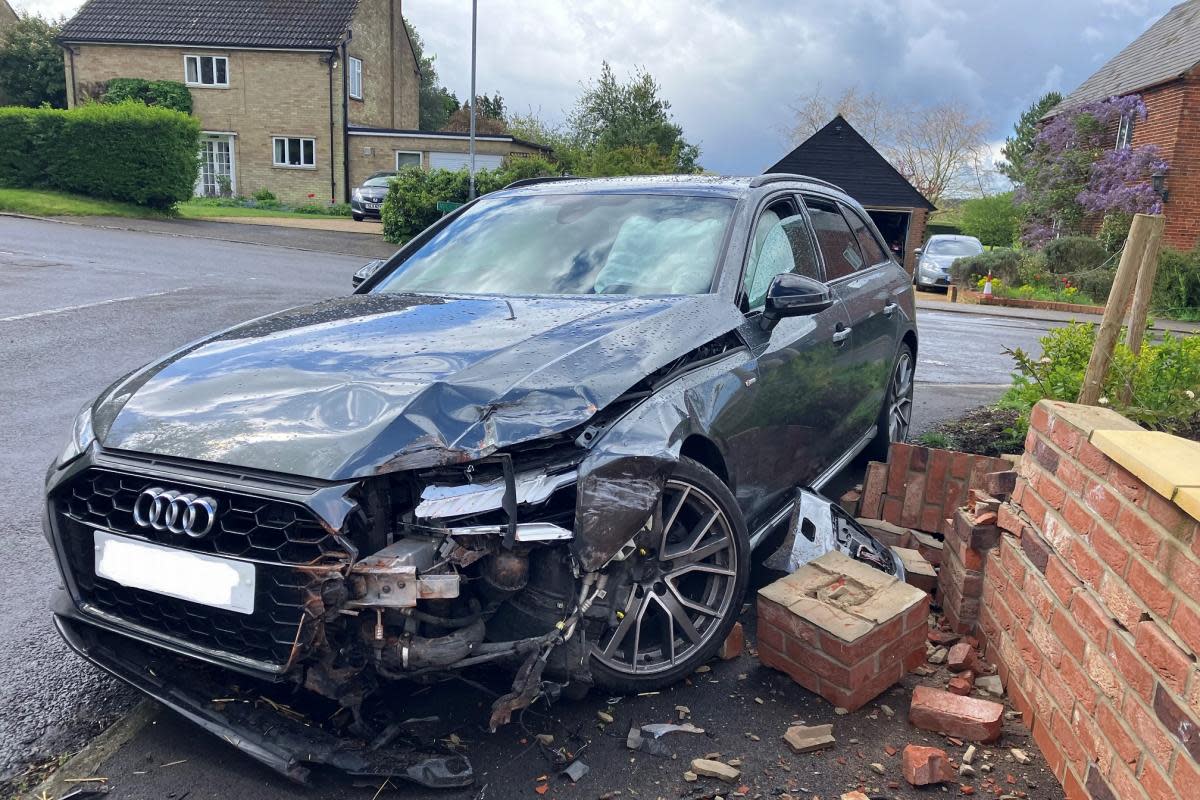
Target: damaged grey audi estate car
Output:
[(547, 433)]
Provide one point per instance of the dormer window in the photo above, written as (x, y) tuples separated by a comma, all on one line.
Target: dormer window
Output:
[(1125, 132), (206, 71)]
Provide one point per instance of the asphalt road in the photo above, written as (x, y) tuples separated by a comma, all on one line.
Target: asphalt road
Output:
[(80, 306)]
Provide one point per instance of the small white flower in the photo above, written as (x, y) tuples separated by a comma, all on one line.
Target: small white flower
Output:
[(1103, 401), (1044, 360), (1190, 394)]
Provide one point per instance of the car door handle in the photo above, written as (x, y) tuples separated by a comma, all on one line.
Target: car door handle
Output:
[(890, 309), (841, 334)]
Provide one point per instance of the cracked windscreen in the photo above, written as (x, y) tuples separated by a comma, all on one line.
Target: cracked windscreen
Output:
[(623, 244)]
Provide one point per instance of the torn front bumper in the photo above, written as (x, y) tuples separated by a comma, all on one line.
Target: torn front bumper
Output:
[(267, 735)]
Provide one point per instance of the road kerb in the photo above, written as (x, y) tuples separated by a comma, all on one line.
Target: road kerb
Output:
[(85, 763)]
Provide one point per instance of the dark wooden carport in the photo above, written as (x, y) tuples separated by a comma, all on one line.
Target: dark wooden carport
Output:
[(839, 154)]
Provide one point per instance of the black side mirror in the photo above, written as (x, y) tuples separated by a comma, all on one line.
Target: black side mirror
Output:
[(366, 271), (792, 295)]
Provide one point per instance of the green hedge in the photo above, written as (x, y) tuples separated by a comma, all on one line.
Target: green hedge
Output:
[(1002, 264), (413, 195), (130, 152), (167, 94)]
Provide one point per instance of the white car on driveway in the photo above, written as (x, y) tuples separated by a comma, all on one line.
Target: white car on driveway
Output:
[(939, 253)]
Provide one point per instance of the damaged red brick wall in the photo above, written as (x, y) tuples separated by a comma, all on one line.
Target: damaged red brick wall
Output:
[(920, 487), (1090, 612)]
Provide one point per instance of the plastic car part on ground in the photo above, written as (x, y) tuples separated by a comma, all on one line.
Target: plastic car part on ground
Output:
[(817, 526)]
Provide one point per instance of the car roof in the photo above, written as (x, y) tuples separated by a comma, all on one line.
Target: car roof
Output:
[(716, 185), (953, 236)]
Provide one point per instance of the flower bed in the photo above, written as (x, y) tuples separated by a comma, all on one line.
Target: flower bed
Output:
[(979, 298)]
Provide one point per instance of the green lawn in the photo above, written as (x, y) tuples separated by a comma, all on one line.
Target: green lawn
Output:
[(45, 203), (197, 211), (40, 203)]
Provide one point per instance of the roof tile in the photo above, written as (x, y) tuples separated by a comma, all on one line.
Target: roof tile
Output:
[(1168, 48), (304, 24)]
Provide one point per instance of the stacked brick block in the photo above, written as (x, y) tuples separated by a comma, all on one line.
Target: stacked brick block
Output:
[(969, 536), (1090, 612), (842, 629), (920, 487)]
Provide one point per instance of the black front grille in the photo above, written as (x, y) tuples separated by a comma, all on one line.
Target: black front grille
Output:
[(253, 528), (284, 534)]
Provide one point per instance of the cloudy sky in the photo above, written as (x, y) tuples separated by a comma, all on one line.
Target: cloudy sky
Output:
[(732, 68)]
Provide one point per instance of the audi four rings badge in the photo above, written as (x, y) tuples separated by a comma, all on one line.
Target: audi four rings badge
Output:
[(175, 511)]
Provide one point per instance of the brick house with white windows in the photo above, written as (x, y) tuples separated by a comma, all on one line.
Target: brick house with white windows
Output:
[(305, 98), (1163, 66)]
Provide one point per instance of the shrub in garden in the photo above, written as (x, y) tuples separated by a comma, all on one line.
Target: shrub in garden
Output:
[(1069, 255), (1114, 230), (413, 195), (130, 152), (1164, 377), (1002, 264), (1177, 283), (168, 94)]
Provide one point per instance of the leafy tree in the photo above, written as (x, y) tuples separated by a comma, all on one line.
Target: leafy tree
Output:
[(31, 63), (611, 115), (168, 94), (992, 220), (1018, 146), (437, 102), (491, 106), (490, 118)]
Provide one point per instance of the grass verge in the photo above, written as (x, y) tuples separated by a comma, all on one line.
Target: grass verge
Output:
[(44, 203)]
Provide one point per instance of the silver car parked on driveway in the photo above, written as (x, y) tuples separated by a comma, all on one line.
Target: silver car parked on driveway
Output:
[(937, 256)]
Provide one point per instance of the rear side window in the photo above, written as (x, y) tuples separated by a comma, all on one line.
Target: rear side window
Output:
[(782, 243), (837, 242), (872, 251)]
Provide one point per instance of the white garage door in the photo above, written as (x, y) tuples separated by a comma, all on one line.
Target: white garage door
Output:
[(457, 161)]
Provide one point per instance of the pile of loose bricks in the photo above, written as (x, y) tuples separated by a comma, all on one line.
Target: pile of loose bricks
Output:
[(1080, 579)]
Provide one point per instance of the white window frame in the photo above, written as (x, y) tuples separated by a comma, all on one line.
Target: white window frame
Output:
[(1124, 132), (285, 164), (198, 58), (355, 73), (420, 157)]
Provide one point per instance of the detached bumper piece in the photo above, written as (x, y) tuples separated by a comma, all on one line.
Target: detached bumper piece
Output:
[(261, 731)]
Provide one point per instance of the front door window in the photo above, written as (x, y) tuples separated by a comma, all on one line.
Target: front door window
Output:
[(216, 167)]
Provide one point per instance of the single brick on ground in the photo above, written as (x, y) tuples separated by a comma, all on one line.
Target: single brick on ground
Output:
[(964, 717), (842, 629)]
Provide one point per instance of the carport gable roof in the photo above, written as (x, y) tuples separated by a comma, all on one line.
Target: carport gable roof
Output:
[(1165, 51), (282, 24), (839, 154)]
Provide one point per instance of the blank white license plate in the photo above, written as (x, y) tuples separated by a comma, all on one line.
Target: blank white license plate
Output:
[(212, 581)]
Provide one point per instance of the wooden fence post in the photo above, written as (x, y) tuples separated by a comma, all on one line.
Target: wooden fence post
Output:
[(1140, 308), (1140, 233)]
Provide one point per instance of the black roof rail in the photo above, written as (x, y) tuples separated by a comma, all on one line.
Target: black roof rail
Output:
[(777, 177), (544, 179)]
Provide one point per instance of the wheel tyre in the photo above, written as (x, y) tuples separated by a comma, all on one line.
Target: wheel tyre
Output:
[(900, 382), (357, 217), (693, 474)]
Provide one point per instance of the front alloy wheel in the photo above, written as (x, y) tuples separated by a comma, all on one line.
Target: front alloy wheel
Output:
[(900, 398), (678, 592)]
